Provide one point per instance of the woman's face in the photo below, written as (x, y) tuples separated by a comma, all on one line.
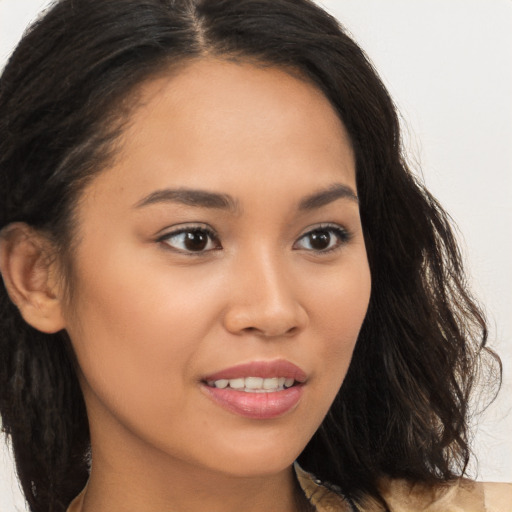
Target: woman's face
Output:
[(221, 254)]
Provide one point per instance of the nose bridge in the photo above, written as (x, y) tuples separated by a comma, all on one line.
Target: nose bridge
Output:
[(263, 297), (269, 278)]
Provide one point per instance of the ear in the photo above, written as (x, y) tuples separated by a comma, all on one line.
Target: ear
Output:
[(29, 272)]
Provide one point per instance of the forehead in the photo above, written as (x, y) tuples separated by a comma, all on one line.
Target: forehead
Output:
[(229, 122)]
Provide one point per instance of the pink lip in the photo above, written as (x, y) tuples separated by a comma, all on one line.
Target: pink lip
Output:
[(257, 405)]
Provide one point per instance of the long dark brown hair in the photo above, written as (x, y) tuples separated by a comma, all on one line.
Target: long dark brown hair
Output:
[(403, 408)]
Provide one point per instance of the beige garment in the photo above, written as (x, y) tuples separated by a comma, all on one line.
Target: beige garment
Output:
[(462, 496), (401, 496)]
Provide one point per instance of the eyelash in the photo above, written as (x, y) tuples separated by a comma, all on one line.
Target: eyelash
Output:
[(343, 236), (212, 237)]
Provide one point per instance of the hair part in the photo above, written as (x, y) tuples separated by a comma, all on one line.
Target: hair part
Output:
[(66, 95)]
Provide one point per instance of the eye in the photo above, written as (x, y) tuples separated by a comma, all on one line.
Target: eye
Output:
[(322, 239), (191, 240)]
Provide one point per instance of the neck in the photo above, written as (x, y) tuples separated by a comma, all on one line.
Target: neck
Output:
[(146, 480), (115, 493)]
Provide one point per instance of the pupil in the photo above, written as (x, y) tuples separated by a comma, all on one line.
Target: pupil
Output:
[(320, 240), (196, 241)]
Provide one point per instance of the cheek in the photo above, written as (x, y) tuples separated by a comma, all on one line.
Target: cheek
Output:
[(136, 326), (338, 301), (337, 308)]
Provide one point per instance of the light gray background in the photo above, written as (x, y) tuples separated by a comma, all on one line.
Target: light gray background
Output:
[(448, 65)]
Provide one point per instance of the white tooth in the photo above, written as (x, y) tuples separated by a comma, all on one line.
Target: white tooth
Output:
[(221, 383), (237, 383), (271, 383), (253, 382), (288, 383), (282, 380)]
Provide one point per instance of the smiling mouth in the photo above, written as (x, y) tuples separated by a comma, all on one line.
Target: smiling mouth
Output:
[(254, 384), (258, 398), (259, 390)]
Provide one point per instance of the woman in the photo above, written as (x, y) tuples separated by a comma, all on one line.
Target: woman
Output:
[(216, 263)]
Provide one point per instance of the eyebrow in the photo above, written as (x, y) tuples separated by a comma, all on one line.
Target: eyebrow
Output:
[(191, 197), (206, 199), (326, 196)]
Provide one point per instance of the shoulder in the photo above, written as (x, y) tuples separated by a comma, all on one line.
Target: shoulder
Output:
[(459, 496), (322, 498), (498, 496)]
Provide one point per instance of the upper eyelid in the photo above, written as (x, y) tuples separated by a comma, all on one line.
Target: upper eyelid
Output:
[(341, 231), (183, 228), (165, 236), (323, 225), (180, 228)]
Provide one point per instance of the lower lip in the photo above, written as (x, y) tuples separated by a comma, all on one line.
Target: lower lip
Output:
[(259, 406)]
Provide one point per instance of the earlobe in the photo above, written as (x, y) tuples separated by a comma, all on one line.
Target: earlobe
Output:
[(28, 271)]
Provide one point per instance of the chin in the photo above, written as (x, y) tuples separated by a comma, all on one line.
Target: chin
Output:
[(257, 459)]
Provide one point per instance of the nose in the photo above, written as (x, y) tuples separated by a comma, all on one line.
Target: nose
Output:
[(264, 299)]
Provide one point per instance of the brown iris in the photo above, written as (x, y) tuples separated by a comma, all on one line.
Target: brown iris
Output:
[(196, 240)]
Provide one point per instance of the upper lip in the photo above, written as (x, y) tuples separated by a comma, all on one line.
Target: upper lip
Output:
[(264, 369)]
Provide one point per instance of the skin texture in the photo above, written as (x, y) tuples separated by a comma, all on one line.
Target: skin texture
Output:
[(149, 321)]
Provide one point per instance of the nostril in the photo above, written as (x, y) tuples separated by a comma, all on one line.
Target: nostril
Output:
[(260, 319), (271, 333)]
